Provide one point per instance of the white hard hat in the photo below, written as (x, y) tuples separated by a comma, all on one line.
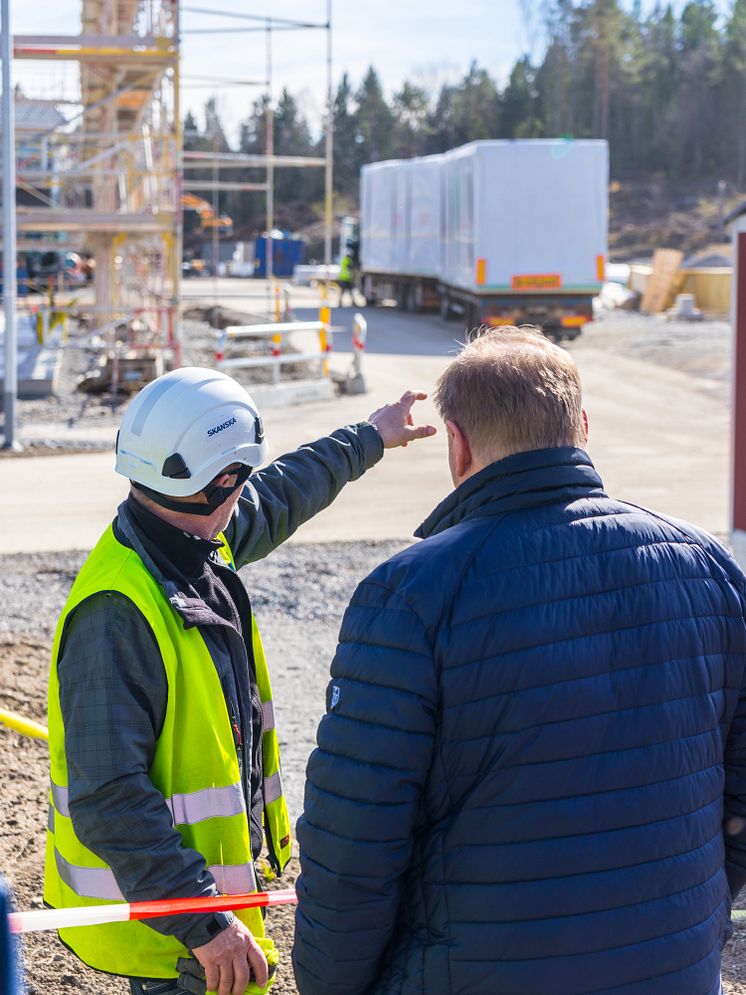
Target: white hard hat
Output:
[(186, 427)]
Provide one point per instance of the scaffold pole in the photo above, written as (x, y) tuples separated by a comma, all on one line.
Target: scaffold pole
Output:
[(10, 381)]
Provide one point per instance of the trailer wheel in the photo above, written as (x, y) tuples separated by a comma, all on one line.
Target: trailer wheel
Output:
[(369, 291), (471, 318), (405, 297)]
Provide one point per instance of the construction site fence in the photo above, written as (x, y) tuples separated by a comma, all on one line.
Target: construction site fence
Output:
[(150, 326), (278, 333)]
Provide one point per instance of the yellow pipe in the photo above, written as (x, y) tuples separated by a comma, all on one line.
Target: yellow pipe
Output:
[(27, 727)]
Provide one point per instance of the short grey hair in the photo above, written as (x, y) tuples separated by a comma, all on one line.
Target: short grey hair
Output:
[(511, 390)]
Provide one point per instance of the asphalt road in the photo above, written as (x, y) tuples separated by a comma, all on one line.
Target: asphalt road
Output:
[(657, 439)]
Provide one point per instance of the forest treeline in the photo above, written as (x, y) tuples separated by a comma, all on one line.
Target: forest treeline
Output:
[(668, 91)]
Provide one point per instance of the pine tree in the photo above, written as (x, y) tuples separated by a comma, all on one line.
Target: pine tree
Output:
[(518, 103), (375, 121), (734, 86), (345, 140)]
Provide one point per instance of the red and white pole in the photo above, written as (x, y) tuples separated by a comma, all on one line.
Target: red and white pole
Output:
[(94, 915)]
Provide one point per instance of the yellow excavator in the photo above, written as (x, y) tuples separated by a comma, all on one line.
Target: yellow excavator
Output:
[(207, 219)]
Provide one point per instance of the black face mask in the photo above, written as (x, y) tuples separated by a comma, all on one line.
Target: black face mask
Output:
[(215, 495)]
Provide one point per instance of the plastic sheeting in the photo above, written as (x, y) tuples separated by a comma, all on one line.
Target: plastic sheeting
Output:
[(401, 216), (425, 244), (381, 234)]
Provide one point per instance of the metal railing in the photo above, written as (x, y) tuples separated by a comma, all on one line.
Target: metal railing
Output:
[(278, 333)]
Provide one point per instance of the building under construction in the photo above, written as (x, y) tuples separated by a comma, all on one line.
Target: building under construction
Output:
[(103, 173), (107, 178)]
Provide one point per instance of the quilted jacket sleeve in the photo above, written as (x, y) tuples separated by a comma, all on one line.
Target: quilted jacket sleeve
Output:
[(734, 793), (363, 793)]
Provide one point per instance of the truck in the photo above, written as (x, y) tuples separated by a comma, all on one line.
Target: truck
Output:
[(495, 232)]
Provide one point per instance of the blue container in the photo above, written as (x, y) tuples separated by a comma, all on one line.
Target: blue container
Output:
[(287, 253)]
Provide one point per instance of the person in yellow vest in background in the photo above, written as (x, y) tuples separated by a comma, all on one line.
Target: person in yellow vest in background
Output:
[(165, 766), (346, 278)]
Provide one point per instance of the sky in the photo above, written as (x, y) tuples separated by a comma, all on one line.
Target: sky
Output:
[(429, 41)]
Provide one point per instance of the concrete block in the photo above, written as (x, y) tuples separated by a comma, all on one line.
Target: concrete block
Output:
[(38, 366)]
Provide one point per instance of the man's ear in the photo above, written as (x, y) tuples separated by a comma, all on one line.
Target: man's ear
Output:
[(585, 422), (223, 479), (460, 456)]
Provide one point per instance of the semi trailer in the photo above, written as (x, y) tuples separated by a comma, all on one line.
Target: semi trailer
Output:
[(494, 232)]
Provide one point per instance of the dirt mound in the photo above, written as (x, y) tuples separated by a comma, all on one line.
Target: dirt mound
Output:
[(645, 214)]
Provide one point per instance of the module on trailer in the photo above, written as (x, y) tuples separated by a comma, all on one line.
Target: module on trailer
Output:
[(497, 232)]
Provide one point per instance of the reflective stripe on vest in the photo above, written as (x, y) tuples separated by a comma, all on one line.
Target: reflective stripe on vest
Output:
[(272, 788), (60, 799), (90, 882), (99, 882), (186, 809), (234, 879), (268, 712), (209, 803)]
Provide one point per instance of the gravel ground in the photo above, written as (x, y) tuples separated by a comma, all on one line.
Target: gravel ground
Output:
[(700, 348)]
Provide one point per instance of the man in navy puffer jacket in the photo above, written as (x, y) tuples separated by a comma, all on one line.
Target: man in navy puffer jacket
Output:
[(531, 777)]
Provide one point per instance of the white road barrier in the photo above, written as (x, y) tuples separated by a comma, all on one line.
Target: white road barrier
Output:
[(278, 332)]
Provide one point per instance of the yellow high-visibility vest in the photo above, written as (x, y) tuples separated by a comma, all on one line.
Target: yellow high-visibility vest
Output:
[(195, 768), (345, 269)]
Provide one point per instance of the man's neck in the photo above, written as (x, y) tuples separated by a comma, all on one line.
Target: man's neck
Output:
[(202, 526)]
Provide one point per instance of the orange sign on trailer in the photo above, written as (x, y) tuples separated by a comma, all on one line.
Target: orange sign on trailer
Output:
[(536, 281)]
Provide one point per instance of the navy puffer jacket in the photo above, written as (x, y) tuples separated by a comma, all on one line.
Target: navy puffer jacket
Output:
[(535, 738)]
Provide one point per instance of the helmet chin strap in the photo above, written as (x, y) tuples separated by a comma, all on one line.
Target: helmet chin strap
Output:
[(215, 495)]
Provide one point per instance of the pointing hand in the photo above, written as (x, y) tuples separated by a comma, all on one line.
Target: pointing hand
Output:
[(395, 423)]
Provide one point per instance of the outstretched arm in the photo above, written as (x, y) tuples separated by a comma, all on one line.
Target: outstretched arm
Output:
[(295, 487), (363, 794)]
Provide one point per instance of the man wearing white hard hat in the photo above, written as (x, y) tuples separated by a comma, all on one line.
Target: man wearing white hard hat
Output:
[(165, 767)]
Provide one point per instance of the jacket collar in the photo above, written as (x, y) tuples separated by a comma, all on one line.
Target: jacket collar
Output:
[(183, 599), (180, 554), (525, 480)]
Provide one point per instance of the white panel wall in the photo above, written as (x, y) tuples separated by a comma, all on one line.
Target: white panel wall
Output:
[(542, 209), (425, 256), (459, 230), (380, 207)]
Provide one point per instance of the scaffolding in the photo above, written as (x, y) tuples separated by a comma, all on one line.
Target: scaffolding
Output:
[(269, 161), (110, 175), (106, 176)]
